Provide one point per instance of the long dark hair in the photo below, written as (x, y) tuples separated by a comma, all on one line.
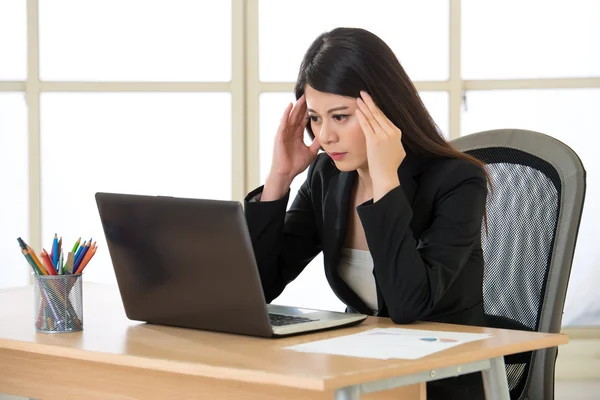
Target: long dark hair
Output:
[(345, 61)]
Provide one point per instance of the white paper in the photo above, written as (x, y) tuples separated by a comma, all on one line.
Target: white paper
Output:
[(389, 343)]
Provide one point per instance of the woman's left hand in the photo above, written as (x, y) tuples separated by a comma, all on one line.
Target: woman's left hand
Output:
[(385, 151)]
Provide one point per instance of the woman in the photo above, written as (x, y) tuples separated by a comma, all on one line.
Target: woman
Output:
[(395, 210)]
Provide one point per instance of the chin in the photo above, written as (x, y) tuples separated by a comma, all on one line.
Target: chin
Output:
[(346, 166)]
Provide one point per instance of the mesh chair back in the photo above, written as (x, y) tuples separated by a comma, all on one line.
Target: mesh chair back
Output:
[(533, 213)]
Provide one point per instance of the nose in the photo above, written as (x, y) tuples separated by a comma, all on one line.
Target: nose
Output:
[(328, 135)]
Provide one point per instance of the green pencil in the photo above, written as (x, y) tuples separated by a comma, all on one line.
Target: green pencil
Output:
[(76, 245), (31, 262)]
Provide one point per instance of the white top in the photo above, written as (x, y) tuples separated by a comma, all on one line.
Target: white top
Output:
[(356, 269)]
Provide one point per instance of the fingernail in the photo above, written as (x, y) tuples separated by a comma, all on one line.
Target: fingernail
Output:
[(363, 93)]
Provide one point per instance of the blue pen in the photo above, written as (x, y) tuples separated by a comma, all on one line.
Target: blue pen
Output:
[(79, 258), (55, 251)]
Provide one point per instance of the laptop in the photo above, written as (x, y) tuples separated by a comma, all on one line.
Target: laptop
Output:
[(190, 263)]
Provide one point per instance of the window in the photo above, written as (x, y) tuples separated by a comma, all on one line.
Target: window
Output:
[(13, 40), (416, 31), (530, 39), (14, 178), (438, 107), (184, 97), (135, 40), (175, 144)]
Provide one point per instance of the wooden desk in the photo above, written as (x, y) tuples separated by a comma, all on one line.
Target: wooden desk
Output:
[(114, 358)]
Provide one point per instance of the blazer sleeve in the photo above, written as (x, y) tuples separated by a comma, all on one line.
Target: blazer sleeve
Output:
[(412, 274), (284, 242)]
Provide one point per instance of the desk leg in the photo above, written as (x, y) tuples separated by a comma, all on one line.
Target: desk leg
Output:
[(495, 382), (348, 393), (493, 370)]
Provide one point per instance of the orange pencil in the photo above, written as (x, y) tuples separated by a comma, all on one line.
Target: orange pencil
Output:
[(87, 258), (48, 263), (36, 260)]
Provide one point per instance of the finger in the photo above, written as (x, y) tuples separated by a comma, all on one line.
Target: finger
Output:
[(315, 146), (368, 115), (364, 123), (387, 125), (299, 111), (378, 115), (284, 118), (368, 100)]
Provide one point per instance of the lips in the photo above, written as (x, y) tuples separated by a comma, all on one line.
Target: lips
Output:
[(337, 156)]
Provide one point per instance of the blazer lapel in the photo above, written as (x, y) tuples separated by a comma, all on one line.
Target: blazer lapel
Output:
[(339, 197), (336, 210), (335, 225)]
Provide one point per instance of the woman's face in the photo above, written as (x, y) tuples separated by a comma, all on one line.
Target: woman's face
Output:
[(334, 123)]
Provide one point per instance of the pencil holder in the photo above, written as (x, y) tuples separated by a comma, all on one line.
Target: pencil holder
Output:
[(58, 303)]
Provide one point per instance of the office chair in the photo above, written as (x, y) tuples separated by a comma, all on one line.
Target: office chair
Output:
[(533, 214)]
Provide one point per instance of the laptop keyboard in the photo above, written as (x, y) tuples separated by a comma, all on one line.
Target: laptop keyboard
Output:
[(281, 320)]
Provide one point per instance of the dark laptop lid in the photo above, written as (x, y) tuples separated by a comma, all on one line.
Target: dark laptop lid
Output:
[(184, 262)]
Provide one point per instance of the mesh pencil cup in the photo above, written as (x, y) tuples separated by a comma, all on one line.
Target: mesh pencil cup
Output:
[(58, 303)]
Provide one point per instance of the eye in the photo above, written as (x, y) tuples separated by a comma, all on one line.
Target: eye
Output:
[(313, 118), (340, 117)]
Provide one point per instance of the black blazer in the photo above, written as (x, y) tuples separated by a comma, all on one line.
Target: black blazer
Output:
[(424, 237)]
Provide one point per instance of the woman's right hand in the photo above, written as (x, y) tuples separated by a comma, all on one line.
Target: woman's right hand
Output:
[(291, 156)]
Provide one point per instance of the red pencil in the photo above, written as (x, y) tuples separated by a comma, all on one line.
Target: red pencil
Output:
[(47, 263)]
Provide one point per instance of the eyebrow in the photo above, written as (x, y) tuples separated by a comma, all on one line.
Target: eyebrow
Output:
[(331, 110)]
